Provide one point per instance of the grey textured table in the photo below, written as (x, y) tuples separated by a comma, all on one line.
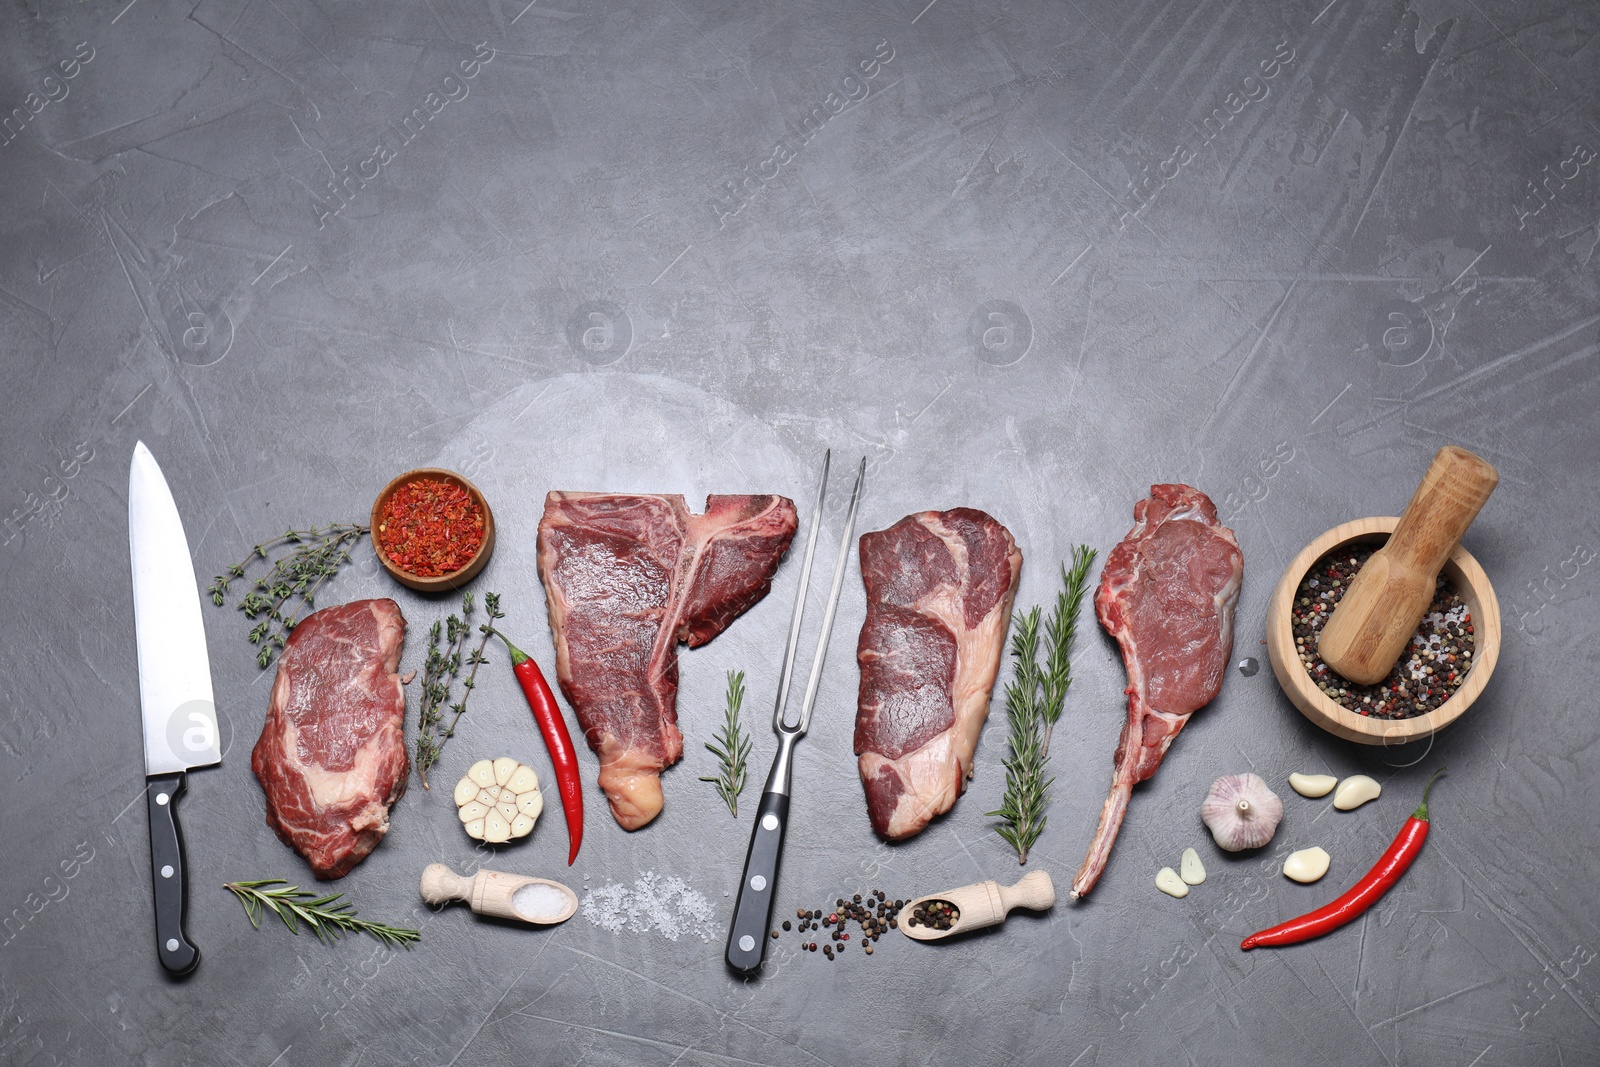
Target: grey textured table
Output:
[(1024, 257)]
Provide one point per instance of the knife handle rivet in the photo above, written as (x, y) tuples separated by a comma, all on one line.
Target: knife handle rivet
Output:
[(747, 943), (172, 944), (161, 798), (166, 872)]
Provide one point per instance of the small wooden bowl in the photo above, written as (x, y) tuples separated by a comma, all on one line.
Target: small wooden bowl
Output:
[(1470, 581), (444, 582)]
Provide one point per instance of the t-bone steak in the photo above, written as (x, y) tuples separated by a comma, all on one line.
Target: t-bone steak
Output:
[(939, 592), (332, 755), (626, 578), (1167, 595)]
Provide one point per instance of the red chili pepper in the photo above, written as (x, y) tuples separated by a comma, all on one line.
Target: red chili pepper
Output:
[(1361, 896), (547, 713)]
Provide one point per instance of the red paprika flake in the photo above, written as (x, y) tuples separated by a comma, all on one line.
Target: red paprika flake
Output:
[(430, 527)]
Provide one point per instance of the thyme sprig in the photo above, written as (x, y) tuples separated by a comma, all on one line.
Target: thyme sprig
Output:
[(439, 672), (327, 916), (1034, 700), (289, 587), (732, 748)]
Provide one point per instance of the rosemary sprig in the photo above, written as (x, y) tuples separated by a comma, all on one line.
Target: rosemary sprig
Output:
[(439, 672), (327, 916), (732, 748), (290, 587), (1034, 699)]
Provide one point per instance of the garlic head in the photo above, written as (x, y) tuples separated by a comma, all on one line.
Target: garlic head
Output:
[(498, 800), (1241, 812)]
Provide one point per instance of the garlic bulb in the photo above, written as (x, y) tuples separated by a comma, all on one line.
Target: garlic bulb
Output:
[(498, 800), (1241, 812)]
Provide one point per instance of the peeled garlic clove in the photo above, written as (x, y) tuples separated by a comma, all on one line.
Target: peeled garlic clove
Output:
[(1168, 882), (1307, 865), (1312, 785), (498, 800), (1356, 791), (1241, 812), (1190, 869)]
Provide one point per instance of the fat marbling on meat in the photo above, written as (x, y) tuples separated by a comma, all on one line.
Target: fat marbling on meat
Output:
[(627, 577), (332, 753), (1167, 595), (939, 591)]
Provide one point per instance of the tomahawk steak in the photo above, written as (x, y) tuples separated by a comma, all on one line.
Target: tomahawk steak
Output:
[(939, 591), (332, 755), (1167, 595), (627, 577)]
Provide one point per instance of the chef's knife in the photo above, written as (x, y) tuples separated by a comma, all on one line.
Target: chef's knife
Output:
[(180, 718)]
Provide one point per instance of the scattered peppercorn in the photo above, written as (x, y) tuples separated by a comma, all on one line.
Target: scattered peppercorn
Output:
[(873, 912), (1430, 671)]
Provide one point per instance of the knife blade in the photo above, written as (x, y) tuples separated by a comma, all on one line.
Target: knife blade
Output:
[(175, 697)]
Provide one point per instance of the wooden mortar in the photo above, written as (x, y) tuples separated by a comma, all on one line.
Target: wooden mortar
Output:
[(1470, 581)]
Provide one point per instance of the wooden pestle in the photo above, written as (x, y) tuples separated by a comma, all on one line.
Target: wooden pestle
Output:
[(1380, 610)]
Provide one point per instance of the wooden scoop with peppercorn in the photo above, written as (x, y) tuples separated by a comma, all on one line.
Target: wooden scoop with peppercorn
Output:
[(1388, 597), (972, 907)]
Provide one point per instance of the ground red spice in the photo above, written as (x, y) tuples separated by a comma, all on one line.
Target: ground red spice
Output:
[(430, 527)]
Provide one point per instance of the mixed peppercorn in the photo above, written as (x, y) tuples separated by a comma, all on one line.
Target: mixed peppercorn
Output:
[(874, 916), (935, 914), (1432, 668)]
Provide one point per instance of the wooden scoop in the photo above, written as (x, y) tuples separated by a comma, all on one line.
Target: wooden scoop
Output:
[(495, 893), (980, 905), (1380, 611)]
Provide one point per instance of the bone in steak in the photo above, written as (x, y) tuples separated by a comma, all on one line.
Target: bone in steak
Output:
[(939, 592), (332, 755), (1167, 595), (626, 578)]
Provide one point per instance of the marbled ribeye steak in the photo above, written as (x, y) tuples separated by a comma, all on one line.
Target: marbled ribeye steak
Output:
[(332, 754)]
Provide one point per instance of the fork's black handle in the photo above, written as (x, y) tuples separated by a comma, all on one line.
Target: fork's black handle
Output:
[(752, 914), (177, 952)]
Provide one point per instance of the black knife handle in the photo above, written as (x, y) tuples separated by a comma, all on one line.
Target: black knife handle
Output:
[(177, 952), (752, 914)]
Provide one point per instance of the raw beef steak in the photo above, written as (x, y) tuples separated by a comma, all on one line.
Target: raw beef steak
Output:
[(332, 755), (626, 578), (1167, 595), (939, 592)]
